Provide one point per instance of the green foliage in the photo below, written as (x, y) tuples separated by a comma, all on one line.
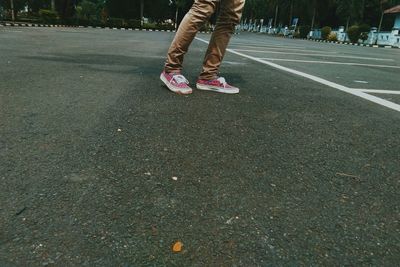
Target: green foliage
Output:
[(325, 31), (48, 16), (364, 30), (364, 27), (115, 22), (303, 31), (165, 26), (133, 23), (354, 33), (86, 9)]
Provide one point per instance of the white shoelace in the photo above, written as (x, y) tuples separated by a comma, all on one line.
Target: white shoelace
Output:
[(178, 78), (222, 80)]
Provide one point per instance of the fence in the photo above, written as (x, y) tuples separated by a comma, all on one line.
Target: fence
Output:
[(391, 38)]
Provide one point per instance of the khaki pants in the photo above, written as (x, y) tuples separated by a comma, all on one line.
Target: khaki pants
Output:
[(229, 16)]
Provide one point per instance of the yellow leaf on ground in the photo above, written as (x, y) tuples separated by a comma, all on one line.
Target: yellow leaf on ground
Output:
[(177, 247)]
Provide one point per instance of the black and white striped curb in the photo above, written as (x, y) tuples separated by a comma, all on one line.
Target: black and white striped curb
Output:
[(21, 24), (344, 43), (354, 44)]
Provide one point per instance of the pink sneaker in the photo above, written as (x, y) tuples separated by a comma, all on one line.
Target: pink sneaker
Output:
[(176, 82), (217, 85)]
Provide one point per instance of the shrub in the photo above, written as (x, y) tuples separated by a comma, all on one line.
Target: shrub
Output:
[(304, 30), (96, 22), (82, 22), (364, 28), (115, 22), (354, 33), (48, 16), (134, 23), (69, 21), (364, 31), (325, 31), (332, 37), (149, 26), (166, 27)]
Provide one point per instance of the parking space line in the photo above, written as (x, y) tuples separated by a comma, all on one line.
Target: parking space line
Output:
[(294, 51), (331, 63), (265, 45), (279, 48), (10, 31), (315, 55), (376, 91), (339, 87)]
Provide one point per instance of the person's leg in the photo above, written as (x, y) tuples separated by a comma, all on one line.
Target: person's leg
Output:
[(229, 17), (200, 12)]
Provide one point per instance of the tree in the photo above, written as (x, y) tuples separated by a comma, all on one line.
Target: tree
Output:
[(13, 6), (141, 12), (12, 10), (350, 9), (87, 9)]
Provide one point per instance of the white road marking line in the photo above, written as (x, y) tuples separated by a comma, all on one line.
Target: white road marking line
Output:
[(364, 82), (331, 63), (293, 50), (375, 91), (348, 90), (10, 31), (265, 44), (234, 63), (315, 55)]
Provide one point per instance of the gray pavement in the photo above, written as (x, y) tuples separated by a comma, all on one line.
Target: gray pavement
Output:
[(102, 166)]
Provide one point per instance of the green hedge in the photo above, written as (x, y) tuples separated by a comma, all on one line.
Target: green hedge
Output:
[(354, 33), (303, 31), (115, 23), (48, 16)]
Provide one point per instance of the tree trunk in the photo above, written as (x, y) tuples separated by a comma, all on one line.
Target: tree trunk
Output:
[(12, 11), (276, 15), (347, 23), (313, 17), (141, 12), (291, 13), (53, 5), (380, 22), (176, 18)]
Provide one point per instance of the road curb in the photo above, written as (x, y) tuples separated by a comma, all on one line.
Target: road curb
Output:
[(353, 44), (338, 42), (21, 24)]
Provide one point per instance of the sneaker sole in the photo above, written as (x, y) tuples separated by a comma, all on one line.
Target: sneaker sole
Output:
[(174, 89), (217, 89)]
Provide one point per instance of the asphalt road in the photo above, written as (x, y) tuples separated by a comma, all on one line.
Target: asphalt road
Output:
[(102, 166)]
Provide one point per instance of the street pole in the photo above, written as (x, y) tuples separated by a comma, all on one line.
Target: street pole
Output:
[(290, 14), (313, 17), (276, 15), (53, 5), (380, 22), (176, 18), (141, 12), (12, 10)]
